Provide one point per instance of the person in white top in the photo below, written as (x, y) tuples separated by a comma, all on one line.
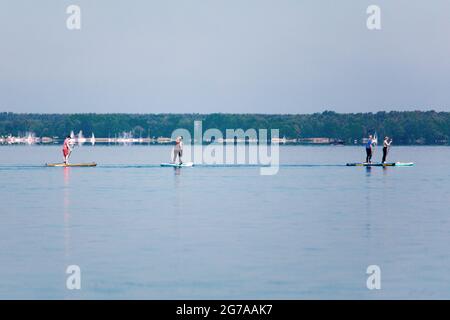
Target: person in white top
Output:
[(386, 144), (178, 150)]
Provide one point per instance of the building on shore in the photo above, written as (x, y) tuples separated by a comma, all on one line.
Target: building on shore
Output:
[(315, 140)]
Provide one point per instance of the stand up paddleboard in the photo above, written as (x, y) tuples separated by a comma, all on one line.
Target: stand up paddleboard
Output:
[(378, 164), (92, 164), (177, 165)]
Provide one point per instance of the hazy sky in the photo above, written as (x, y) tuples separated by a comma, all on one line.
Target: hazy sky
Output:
[(258, 56)]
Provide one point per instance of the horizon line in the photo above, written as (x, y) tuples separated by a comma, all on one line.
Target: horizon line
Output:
[(220, 113)]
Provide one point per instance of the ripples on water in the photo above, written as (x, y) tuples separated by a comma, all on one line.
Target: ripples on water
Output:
[(141, 231)]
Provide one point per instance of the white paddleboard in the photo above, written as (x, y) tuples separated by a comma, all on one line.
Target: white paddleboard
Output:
[(177, 165), (378, 164), (404, 164)]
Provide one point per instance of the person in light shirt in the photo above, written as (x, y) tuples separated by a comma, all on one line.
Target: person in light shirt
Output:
[(386, 145), (178, 150)]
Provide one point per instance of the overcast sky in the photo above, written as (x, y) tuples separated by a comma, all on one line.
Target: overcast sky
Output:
[(244, 56)]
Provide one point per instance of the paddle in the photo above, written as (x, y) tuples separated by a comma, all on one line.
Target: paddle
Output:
[(374, 143)]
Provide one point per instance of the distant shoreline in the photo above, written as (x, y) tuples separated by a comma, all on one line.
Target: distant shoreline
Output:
[(57, 144), (405, 127)]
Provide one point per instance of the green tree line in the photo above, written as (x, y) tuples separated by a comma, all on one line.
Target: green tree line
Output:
[(406, 127)]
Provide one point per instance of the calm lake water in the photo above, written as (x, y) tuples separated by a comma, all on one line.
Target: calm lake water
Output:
[(140, 231)]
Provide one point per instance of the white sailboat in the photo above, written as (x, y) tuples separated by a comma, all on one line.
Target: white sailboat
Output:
[(93, 139)]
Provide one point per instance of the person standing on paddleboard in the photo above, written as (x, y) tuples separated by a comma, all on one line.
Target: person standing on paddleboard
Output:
[(386, 145), (369, 148), (178, 150), (67, 149)]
